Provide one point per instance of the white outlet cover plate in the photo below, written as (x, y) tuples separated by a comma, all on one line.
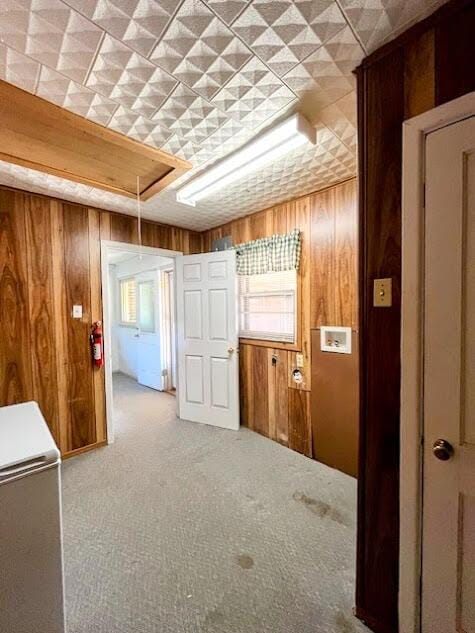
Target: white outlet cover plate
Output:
[(77, 312)]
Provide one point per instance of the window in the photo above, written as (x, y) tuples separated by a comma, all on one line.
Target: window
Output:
[(268, 306), (128, 301), (147, 306)]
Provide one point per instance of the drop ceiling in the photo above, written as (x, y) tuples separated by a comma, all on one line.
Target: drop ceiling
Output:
[(198, 79)]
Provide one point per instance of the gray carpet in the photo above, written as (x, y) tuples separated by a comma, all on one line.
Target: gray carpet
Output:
[(184, 528)]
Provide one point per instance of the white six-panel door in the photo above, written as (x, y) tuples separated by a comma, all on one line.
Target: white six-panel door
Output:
[(448, 561), (207, 329)]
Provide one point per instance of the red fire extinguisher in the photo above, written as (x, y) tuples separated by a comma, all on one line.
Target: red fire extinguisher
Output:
[(97, 344)]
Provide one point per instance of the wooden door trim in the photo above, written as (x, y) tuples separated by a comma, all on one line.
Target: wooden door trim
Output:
[(414, 132)]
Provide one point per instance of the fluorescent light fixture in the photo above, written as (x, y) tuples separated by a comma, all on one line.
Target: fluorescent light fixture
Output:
[(276, 142)]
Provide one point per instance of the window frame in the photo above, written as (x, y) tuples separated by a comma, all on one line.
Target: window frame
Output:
[(131, 324), (296, 346)]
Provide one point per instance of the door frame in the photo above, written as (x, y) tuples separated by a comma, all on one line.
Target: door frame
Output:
[(109, 246), (414, 132)]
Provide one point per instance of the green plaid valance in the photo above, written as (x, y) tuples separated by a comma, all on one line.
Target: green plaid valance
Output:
[(269, 254)]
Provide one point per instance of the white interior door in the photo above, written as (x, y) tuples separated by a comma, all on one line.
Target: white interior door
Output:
[(149, 369), (448, 565), (208, 367)]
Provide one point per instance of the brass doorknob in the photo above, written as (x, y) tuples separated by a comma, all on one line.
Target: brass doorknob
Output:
[(442, 450)]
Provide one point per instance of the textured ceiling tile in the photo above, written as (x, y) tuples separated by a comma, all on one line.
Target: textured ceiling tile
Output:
[(52, 33), (377, 21), (283, 33), (200, 50), (18, 69), (227, 10), (175, 74), (326, 75), (189, 116), (129, 78), (75, 97), (340, 118), (138, 23), (132, 124), (253, 95)]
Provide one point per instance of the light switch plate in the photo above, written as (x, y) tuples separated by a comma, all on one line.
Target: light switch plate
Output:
[(299, 360), (77, 312), (382, 293)]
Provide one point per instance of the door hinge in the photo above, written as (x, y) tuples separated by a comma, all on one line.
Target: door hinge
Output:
[(164, 373)]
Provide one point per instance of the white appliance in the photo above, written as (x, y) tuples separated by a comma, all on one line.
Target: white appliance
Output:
[(31, 558)]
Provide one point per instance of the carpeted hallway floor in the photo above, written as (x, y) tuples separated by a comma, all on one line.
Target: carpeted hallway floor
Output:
[(184, 528)]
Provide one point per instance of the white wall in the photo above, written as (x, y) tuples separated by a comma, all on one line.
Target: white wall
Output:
[(124, 341)]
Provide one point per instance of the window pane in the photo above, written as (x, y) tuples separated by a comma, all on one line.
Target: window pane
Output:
[(268, 306), (128, 307), (147, 307)]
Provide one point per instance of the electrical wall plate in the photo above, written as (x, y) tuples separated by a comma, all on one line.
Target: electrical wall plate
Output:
[(334, 338), (77, 312), (382, 293)]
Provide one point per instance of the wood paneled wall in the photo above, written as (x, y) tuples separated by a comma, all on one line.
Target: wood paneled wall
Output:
[(271, 403), (50, 261), (428, 65)]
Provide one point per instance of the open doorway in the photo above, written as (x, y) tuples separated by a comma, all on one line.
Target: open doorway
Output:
[(139, 325)]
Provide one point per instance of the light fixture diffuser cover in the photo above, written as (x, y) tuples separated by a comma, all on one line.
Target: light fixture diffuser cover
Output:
[(266, 148)]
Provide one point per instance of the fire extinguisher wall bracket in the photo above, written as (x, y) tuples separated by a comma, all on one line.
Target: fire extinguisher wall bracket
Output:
[(97, 344)]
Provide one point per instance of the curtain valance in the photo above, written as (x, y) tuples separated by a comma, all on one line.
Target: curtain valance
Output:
[(269, 254)]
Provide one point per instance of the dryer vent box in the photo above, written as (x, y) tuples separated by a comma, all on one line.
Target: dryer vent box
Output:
[(335, 339)]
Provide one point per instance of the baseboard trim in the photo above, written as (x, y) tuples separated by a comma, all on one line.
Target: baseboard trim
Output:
[(83, 449)]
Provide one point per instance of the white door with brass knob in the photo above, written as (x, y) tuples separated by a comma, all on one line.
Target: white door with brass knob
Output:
[(207, 331), (448, 542)]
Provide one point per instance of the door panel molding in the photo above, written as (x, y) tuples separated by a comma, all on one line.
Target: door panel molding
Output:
[(411, 461)]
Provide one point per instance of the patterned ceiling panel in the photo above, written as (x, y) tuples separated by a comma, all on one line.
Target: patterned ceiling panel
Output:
[(378, 21), (198, 79)]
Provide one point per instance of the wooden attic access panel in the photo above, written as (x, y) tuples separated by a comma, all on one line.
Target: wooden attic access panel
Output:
[(40, 135)]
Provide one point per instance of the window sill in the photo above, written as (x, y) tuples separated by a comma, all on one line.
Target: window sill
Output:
[(292, 347)]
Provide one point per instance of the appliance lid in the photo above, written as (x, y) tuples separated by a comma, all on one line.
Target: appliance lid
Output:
[(26, 443)]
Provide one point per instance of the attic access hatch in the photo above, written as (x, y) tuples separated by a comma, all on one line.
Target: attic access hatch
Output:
[(37, 134)]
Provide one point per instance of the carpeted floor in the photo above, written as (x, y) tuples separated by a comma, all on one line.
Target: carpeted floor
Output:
[(184, 528)]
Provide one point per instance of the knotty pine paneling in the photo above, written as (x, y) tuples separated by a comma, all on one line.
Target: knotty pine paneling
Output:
[(426, 66), (49, 261), (327, 295)]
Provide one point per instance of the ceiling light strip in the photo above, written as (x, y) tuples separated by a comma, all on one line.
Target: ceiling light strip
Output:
[(266, 148)]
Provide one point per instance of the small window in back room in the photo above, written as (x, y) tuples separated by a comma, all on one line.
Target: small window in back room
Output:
[(128, 301), (268, 306)]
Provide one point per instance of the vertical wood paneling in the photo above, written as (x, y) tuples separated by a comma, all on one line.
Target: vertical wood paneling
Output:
[(345, 257), (246, 385), (50, 260), (15, 365), (426, 66), (278, 395), (41, 307), (328, 257), (455, 54), (149, 234), (380, 376), (195, 245), (300, 431), (96, 315), (124, 228), (260, 421), (77, 287), (322, 260), (419, 79), (60, 321)]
